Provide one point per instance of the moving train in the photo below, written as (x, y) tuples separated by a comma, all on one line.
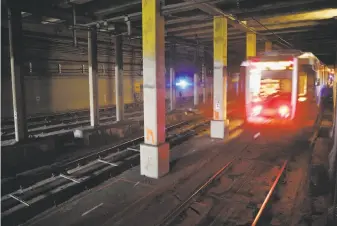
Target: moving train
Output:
[(281, 86)]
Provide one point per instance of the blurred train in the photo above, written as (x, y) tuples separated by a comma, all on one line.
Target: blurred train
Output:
[(281, 86)]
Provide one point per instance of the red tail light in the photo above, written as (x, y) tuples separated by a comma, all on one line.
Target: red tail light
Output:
[(284, 111)]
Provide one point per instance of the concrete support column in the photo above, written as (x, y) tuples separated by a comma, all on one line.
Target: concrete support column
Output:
[(173, 95), (251, 44), (212, 90), (93, 76), (204, 82), (133, 62), (219, 124), (119, 78), (172, 89), (268, 46), (195, 89), (154, 153), (17, 73)]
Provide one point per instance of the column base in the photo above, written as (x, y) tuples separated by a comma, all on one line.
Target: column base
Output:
[(154, 160), (219, 129)]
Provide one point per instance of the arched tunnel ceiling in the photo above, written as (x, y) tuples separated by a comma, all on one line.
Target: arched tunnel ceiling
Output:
[(308, 25)]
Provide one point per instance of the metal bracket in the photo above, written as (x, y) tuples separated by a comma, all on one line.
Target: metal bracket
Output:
[(128, 24)]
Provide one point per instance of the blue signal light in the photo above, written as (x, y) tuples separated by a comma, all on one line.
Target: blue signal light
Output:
[(182, 84)]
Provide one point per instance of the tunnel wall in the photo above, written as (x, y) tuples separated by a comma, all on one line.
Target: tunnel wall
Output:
[(45, 95), (56, 72)]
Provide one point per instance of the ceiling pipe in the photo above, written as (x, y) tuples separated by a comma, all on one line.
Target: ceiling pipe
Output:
[(117, 8), (272, 6), (165, 10), (187, 19)]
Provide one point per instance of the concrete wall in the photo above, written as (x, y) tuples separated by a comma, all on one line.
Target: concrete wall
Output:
[(45, 95), (60, 94)]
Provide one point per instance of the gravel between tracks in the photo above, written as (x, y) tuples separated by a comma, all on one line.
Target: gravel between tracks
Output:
[(261, 157)]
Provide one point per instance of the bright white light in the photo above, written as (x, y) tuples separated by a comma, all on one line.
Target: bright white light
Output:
[(182, 83), (302, 99), (256, 110), (284, 111), (278, 65), (307, 55)]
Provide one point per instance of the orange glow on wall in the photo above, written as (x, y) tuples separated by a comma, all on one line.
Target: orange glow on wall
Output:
[(149, 135)]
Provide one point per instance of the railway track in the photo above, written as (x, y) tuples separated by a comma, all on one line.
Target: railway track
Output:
[(65, 121), (59, 184), (48, 126), (8, 121), (241, 192), (54, 120)]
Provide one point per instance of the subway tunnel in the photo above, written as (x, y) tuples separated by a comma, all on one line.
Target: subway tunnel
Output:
[(168, 112)]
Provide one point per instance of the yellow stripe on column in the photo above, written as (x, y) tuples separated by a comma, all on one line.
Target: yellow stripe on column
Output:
[(251, 44), (150, 12), (220, 40)]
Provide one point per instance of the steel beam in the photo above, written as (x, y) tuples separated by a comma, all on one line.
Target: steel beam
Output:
[(214, 11), (17, 73), (189, 27), (202, 28), (246, 14), (166, 10), (187, 19), (154, 153), (117, 8), (93, 77), (45, 10), (219, 124), (209, 36), (119, 77), (205, 32), (323, 14), (184, 6), (285, 25)]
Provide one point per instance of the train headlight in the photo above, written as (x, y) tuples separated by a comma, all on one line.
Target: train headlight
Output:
[(302, 99), (256, 110), (284, 111)]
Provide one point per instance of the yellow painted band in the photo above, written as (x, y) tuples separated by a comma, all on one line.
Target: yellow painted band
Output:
[(150, 9), (251, 44), (220, 39)]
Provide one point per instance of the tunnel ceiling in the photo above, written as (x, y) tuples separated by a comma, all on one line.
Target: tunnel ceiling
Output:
[(308, 25)]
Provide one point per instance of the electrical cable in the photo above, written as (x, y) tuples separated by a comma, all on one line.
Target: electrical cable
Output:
[(276, 35), (289, 45)]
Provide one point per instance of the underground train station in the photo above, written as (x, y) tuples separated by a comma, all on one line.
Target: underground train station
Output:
[(168, 112)]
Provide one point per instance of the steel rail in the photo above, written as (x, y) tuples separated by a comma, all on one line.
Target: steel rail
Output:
[(59, 114), (8, 186), (270, 193), (175, 213), (168, 219), (71, 183), (66, 124)]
